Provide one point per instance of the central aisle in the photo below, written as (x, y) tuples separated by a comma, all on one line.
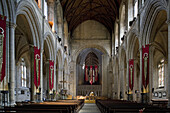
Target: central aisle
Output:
[(89, 108)]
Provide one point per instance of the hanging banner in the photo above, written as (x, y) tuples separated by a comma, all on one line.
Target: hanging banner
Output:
[(96, 73), (2, 46), (51, 74), (91, 75), (145, 66), (131, 74), (36, 67), (86, 74)]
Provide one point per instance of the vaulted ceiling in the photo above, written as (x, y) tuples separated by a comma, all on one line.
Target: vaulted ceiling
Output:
[(78, 11)]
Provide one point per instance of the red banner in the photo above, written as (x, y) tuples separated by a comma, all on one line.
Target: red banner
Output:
[(36, 67), (96, 73), (145, 66), (51, 74), (2, 46), (91, 75), (131, 73), (86, 73)]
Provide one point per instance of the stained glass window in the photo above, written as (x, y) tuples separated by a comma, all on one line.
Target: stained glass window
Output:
[(161, 73)]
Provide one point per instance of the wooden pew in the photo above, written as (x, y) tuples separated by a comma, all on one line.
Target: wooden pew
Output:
[(160, 102), (114, 106), (60, 106)]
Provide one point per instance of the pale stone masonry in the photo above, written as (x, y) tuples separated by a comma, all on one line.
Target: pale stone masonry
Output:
[(27, 27)]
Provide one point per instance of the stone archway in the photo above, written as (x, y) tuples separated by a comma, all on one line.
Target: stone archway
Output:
[(89, 58)]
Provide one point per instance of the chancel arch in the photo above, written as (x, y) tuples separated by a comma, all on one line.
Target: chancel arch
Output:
[(89, 71)]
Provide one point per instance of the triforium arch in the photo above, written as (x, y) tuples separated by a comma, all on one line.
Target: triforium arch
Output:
[(122, 18), (28, 10), (7, 9), (152, 9), (88, 58), (59, 20)]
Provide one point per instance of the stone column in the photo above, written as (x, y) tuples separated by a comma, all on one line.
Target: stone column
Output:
[(7, 56), (125, 84), (168, 22), (135, 80), (113, 44), (41, 52), (55, 78), (51, 13), (41, 75), (72, 80), (140, 77), (33, 88), (109, 79), (51, 10), (127, 77), (104, 75), (47, 80), (150, 73), (12, 62), (118, 22), (75, 79)]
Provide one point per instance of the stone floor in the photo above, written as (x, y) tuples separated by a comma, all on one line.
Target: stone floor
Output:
[(89, 108)]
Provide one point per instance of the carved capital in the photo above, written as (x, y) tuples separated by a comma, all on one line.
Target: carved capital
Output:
[(11, 25), (168, 22)]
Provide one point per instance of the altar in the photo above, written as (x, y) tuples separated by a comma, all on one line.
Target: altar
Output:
[(90, 99)]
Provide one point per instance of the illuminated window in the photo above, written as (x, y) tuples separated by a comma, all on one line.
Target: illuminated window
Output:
[(38, 3), (161, 73), (135, 8), (23, 73)]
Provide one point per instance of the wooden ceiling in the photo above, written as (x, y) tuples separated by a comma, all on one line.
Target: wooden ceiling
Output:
[(78, 11)]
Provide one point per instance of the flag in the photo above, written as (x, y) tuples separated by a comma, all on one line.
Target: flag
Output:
[(131, 74), (36, 67), (96, 73), (86, 74), (2, 46), (91, 75), (145, 66), (51, 74)]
